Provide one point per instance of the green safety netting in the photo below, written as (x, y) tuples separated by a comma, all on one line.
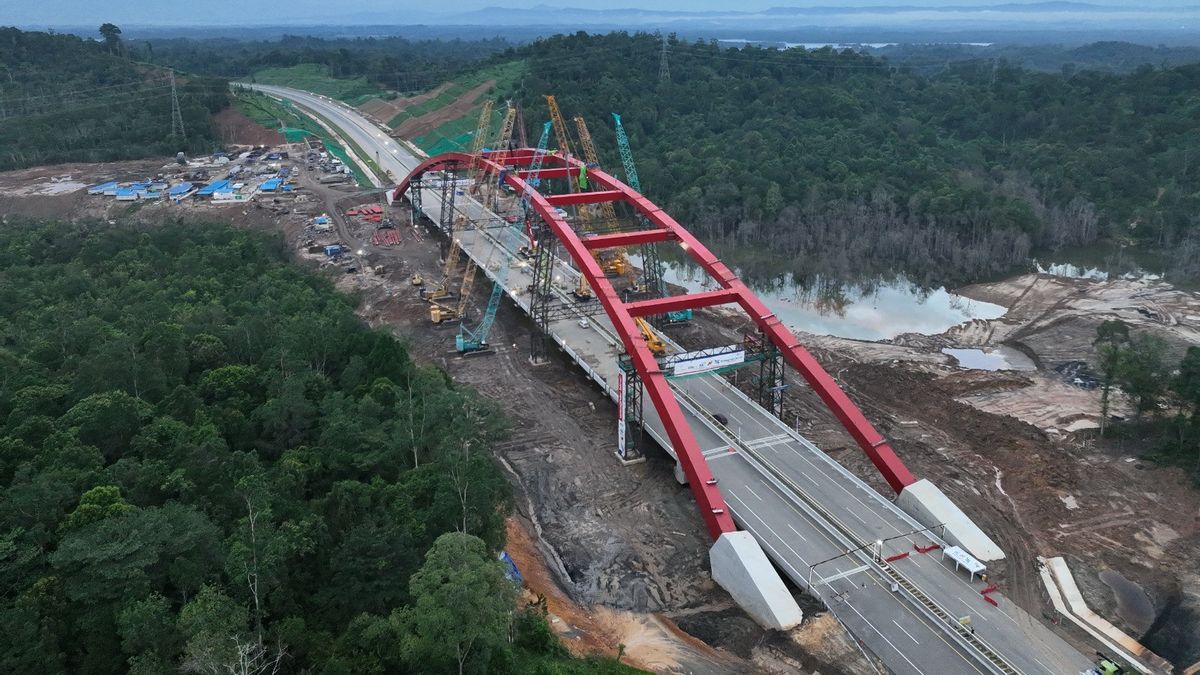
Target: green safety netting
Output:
[(449, 144), (293, 135)]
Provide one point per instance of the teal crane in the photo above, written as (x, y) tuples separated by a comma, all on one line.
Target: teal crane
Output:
[(631, 174), (467, 340), (631, 179), (539, 158)]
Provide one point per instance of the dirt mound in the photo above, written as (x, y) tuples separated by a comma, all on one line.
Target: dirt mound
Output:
[(419, 126), (384, 111), (235, 128)]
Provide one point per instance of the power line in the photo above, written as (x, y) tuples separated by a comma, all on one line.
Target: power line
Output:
[(176, 114)]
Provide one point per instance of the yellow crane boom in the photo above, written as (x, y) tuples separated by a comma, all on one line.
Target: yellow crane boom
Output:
[(616, 263), (653, 342), (502, 141), (582, 291), (481, 134), (448, 270)]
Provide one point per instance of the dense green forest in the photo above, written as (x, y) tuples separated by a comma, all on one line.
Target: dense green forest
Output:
[(66, 99), (854, 167), (210, 465), (387, 63), (1109, 56)]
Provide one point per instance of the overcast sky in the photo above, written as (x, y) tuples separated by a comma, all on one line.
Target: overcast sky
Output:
[(392, 12)]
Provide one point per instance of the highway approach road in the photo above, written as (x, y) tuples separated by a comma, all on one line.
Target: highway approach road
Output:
[(805, 510)]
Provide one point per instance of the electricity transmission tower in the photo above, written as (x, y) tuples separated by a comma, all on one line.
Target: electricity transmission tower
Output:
[(176, 113), (664, 69)]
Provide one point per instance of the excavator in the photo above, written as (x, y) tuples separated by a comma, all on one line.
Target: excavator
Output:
[(582, 291)]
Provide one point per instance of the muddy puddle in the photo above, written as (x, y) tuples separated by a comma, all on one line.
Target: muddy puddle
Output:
[(1133, 604), (1000, 358)]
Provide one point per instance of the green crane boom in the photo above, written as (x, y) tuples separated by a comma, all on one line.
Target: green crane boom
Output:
[(468, 340), (631, 179)]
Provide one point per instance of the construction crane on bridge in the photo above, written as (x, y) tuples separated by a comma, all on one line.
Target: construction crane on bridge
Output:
[(631, 178), (614, 260), (654, 343), (583, 291), (539, 158), (501, 143), (469, 341), (480, 139), (439, 312)]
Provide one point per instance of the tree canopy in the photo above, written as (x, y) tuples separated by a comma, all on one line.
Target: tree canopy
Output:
[(209, 464), (66, 99), (856, 166)]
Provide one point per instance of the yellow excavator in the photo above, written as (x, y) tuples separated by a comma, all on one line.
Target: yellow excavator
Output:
[(582, 291), (653, 342)]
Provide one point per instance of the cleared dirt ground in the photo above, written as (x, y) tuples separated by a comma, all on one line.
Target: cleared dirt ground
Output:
[(384, 111), (1018, 450)]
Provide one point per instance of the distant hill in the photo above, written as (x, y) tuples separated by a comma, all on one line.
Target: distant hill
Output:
[(1108, 56), (1071, 16), (64, 98)]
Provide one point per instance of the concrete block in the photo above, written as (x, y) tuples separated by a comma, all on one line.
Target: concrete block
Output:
[(740, 567), (680, 476), (930, 506)]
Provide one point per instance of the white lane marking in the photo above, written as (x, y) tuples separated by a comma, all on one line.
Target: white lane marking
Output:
[(753, 492), (772, 530), (974, 610), (835, 481), (781, 558), (804, 538), (885, 638), (1010, 618), (1035, 659), (905, 632), (855, 514)]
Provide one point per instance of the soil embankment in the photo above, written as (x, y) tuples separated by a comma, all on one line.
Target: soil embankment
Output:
[(418, 126), (384, 111)]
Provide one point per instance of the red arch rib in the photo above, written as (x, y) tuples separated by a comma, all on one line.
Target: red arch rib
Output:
[(732, 290)]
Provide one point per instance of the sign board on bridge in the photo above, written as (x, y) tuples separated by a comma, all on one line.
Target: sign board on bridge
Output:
[(704, 360)]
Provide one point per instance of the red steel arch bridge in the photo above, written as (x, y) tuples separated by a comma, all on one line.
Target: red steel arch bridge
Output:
[(871, 561), (655, 226)]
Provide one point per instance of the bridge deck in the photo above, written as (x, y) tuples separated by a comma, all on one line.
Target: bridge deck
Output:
[(799, 504), (740, 453)]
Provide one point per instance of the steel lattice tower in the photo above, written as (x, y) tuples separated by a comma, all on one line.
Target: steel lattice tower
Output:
[(664, 68), (176, 114)]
